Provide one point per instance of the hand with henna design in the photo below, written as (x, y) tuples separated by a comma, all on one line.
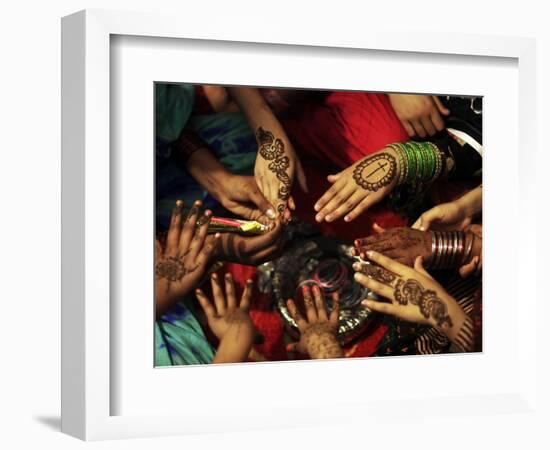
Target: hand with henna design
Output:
[(359, 187), (401, 244), (319, 330), (413, 294), (229, 319), (277, 164), (183, 261)]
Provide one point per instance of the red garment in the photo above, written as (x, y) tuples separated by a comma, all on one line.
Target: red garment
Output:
[(332, 134)]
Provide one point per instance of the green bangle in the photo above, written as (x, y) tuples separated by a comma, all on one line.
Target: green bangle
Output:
[(402, 164)]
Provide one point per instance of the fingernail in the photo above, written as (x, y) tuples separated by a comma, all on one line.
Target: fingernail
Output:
[(366, 302), (356, 243), (217, 235), (207, 212), (270, 213), (328, 218), (370, 253), (354, 252), (422, 229), (249, 281), (319, 217), (215, 276), (227, 276), (356, 266), (179, 203), (356, 276), (346, 218), (316, 207)]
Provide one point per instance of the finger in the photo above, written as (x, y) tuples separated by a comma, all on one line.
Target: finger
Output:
[(327, 196), (428, 125), (437, 121), (467, 269), (311, 312), (208, 250), (189, 227), (419, 128), (334, 203), (174, 231), (334, 178), (320, 304), (376, 286), (378, 229), (230, 292), (295, 314), (158, 249), (205, 304), (380, 247), (374, 239), (408, 128), (424, 222), (381, 307), (199, 237), (335, 313), (440, 106), (347, 206), (365, 204), (291, 203), (419, 267), (256, 197), (219, 298), (296, 347), (247, 295), (301, 177), (388, 263)]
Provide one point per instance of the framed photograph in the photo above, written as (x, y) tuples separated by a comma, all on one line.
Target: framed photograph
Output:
[(239, 237)]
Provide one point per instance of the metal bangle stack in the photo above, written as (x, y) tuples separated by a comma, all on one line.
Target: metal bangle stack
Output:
[(450, 249)]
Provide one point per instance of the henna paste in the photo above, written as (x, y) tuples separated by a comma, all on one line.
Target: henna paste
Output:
[(375, 172)]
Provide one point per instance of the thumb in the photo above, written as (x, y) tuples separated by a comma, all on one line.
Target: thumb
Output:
[(295, 347), (378, 229), (425, 220), (419, 267), (301, 176), (335, 177), (440, 106), (261, 202)]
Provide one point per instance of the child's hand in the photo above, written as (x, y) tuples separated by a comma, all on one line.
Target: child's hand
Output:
[(318, 331), (183, 262), (228, 319)]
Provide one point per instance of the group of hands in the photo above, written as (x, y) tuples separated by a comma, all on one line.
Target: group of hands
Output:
[(256, 198), (399, 250)]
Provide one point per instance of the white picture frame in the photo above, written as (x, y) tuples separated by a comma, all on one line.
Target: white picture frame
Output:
[(87, 326)]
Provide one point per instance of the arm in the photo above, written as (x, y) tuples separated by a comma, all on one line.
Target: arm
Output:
[(276, 163), (239, 194)]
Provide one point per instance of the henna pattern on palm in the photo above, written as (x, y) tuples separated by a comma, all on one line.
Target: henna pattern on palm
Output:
[(411, 291), (173, 269), (375, 172), (273, 150)]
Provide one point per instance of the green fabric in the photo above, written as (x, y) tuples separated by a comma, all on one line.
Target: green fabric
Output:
[(173, 106), (179, 339)]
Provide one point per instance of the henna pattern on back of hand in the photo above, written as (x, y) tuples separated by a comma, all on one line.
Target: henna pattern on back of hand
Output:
[(378, 273), (411, 291), (173, 269), (375, 172), (273, 150)]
